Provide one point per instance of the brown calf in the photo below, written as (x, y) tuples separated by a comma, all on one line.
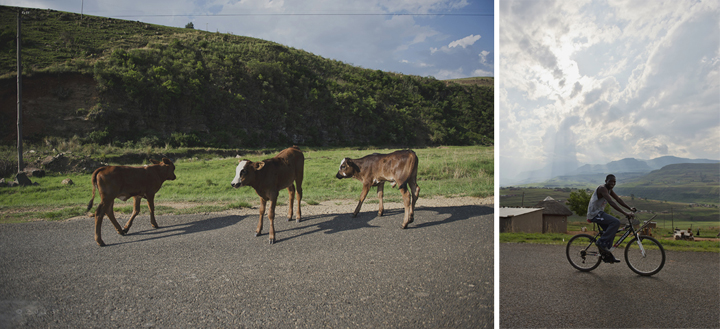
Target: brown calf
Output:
[(124, 182), (399, 167), (270, 176)]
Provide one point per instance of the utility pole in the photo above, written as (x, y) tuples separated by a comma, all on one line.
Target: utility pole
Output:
[(672, 219), (19, 97)]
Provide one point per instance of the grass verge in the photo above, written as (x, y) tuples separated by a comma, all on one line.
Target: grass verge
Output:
[(443, 171), (562, 239)]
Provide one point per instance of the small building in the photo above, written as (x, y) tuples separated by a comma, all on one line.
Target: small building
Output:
[(554, 216), (525, 220)]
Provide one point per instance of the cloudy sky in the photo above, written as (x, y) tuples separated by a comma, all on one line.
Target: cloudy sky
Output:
[(444, 39), (598, 81)]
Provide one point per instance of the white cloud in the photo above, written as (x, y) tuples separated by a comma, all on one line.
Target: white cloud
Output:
[(483, 56), (464, 42), (643, 79)]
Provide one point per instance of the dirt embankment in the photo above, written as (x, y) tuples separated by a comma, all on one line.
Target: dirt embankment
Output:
[(50, 104)]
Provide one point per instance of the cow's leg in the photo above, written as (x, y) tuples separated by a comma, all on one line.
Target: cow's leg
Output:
[(415, 189), (407, 201), (291, 191), (151, 206), (380, 189), (263, 202), (298, 190), (136, 211), (271, 217), (99, 214), (363, 194), (111, 214)]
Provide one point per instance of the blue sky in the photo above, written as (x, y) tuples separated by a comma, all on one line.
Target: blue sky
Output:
[(593, 81), (442, 46)]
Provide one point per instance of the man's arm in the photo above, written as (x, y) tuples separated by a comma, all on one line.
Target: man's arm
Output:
[(604, 193), (621, 202)]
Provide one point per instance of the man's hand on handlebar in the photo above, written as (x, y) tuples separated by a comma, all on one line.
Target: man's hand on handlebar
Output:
[(630, 215)]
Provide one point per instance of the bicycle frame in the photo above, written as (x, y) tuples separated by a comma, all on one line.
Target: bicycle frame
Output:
[(629, 229)]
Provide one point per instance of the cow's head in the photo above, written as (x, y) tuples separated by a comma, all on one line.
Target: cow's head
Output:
[(167, 168), (348, 168), (245, 173)]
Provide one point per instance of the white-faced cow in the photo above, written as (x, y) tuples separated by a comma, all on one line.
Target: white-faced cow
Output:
[(270, 176), (399, 167), (124, 182)]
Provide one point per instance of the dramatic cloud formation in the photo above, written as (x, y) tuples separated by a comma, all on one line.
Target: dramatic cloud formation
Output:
[(371, 34), (598, 81)]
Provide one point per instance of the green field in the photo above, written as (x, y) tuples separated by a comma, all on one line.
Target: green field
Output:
[(681, 215), (446, 171)]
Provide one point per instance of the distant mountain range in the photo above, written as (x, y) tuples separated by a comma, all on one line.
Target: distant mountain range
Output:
[(628, 168), (632, 165)]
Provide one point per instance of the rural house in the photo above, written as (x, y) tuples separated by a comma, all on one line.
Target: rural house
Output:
[(525, 220), (554, 216)]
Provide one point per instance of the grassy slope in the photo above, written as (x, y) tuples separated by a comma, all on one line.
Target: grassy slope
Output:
[(177, 85)]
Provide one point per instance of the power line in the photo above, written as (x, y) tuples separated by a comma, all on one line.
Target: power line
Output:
[(296, 14)]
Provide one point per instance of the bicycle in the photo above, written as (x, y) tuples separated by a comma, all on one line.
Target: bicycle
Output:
[(643, 254)]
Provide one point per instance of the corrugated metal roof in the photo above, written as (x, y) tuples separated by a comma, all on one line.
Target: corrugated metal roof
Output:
[(510, 212)]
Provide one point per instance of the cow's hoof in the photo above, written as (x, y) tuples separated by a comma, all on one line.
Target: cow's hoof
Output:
[(122, 232), (289, 219), (297, 220), (101, 244), (258, 234), (272, 241)]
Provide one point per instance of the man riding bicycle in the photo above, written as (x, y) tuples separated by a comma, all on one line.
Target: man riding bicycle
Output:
[(610, 224)]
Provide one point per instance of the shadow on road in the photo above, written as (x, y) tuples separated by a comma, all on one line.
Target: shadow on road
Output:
[(162, 232), (335, 223)]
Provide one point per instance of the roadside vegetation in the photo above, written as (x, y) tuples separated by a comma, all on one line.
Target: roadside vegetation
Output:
[(203, 183)]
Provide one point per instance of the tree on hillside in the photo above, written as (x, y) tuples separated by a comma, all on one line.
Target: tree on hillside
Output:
[(190, 26), (578, 202)]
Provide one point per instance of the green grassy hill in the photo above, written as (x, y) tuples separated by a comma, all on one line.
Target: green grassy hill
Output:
[(687, 182), (105, 81)]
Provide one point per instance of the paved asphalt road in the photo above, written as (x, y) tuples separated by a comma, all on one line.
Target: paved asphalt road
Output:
[(210, 271), (539, 288)]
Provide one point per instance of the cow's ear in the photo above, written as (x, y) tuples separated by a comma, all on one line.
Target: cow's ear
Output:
[(154, 161), (353, 165), (167, 161), (258, 165)]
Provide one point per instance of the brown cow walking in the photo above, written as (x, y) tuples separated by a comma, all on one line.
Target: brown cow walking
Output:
[(124, 182), (270, 176), (399, 167)]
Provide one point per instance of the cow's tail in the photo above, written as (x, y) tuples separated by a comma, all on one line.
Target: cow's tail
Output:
[(94, 186)]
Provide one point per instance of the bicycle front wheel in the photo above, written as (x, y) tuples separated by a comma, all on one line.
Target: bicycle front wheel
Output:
[(645, 258), (582, 253)]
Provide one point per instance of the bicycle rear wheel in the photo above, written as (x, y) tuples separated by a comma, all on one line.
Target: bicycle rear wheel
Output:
[(582, 253), (649, 263)]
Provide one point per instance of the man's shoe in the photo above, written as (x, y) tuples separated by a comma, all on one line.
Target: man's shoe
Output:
[(609, 258)]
